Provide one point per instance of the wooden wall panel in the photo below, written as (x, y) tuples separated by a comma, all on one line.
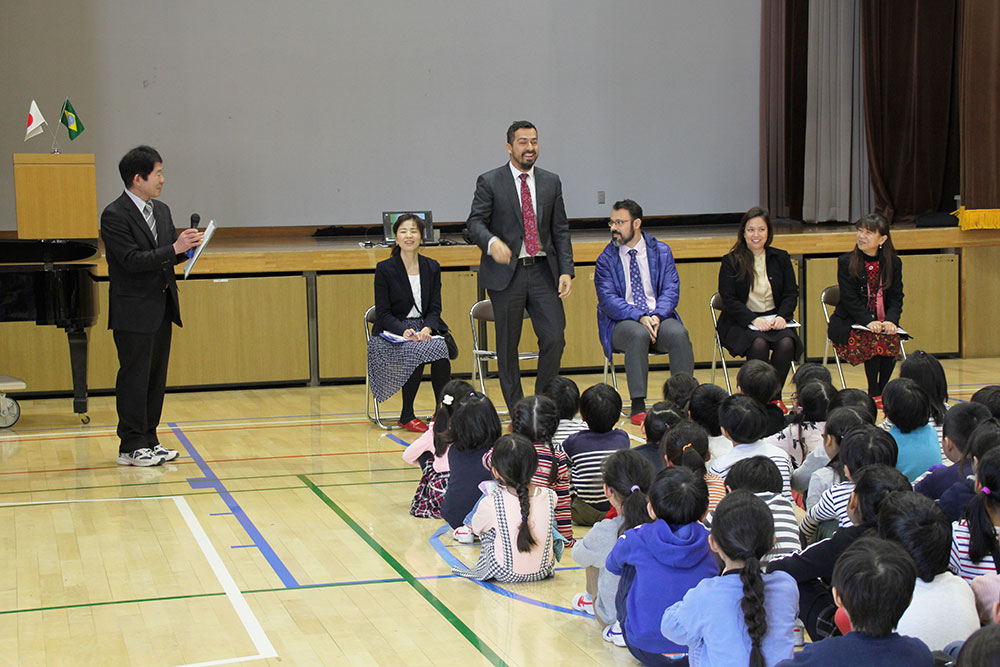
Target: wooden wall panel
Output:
[(930, 302), (980, 296), (342, 301)]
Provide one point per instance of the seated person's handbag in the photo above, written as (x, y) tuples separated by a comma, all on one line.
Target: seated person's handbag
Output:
[(449, 340)]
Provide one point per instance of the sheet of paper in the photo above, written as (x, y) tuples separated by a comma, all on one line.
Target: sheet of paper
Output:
[(396, 338), (790, 324), (862, 327), (197, 251)]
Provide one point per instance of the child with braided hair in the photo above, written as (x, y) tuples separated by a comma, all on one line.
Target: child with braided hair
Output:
[(706, 619), (627, 476), (515, 522)]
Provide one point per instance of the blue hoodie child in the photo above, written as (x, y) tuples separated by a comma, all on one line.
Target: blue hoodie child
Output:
[(666, 561)]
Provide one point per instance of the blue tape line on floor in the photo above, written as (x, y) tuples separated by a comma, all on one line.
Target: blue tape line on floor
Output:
[(212, 481)]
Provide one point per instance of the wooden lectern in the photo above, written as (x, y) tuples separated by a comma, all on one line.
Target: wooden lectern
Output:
[(56, 196)]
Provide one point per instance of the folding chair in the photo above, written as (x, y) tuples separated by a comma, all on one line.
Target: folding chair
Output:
[(715, 305), (609, 364), (830, 298), (482, 311), (377, 418)]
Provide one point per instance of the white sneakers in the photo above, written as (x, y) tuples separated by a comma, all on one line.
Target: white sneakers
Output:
[(613, 634), (584, 602), (143, 457), (463, 535), (146, 456)]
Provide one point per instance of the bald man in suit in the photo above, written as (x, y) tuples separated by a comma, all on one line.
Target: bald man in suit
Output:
[(518, 219)]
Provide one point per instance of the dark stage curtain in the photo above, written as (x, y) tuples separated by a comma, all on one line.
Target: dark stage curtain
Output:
[(911, 113), (784, 35), (979, 95)]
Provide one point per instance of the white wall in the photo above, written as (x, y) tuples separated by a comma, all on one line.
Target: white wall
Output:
[(309, 113)]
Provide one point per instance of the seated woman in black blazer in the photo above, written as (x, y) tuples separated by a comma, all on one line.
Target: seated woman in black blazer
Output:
[(408, 304), (871, 294), (758, 287)]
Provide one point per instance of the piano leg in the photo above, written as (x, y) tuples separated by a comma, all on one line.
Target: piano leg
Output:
[(78, 364)]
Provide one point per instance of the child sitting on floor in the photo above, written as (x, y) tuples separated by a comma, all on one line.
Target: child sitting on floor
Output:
[(816, 475), (600, 407), (744, 422), (873, 582), (430, 452), (959, 423), (760, 476), (703, 409), (860, 447), (627, 476), (659, 562), (908, 407), (686, 444), (535, 417), (742, 616), (807, 421), (660, 418), (566, 395), (515, 522), (472, 431), (678, 389)]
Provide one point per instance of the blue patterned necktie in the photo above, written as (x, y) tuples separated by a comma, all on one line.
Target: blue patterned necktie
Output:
[(635, 279)]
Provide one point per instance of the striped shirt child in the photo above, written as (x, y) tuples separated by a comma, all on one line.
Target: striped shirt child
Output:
[(587, 451), (960, 562), (832, 505)]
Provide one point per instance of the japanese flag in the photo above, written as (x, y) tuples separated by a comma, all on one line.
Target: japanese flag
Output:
[(35, 121)]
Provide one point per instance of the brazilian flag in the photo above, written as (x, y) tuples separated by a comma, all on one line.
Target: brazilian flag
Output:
[(71, 120)]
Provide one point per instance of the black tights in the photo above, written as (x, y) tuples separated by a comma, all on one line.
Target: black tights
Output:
[(878, 369), (779, 354), (440, 376)]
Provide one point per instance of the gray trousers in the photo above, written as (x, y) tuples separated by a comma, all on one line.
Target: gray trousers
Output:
[(532, 290), (632, 338)]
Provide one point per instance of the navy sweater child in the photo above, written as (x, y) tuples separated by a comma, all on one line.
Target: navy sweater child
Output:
[(467, 471), (666, 561), (855, 648)]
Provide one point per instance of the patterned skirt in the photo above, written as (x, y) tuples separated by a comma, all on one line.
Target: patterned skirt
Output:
[(863, 345), (430, 492), (390, 364), (488, 568)]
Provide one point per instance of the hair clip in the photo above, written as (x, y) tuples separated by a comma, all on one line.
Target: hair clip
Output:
[(635, 487), (447, 399), (524, 518), (690, 444), (986, 490)]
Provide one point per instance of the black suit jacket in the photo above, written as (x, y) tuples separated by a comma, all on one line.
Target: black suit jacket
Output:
[(496, 211), (853, 306), (394, 298), (735, 290), (140, 272)]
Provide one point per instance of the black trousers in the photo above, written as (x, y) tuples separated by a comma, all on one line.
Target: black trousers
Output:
[(141, 383), (532, 290)]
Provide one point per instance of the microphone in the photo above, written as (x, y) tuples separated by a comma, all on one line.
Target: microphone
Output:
[(195, 219)]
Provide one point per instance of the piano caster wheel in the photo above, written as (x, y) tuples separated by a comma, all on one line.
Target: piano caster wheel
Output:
[(85, 418), (10, 412)]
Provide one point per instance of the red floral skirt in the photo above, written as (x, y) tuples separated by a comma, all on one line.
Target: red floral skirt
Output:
[(863, 345)]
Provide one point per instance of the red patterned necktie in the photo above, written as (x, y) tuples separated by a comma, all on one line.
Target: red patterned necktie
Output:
[(528, 212)]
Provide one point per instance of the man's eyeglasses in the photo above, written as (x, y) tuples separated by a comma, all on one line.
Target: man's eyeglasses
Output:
[(618, 223)]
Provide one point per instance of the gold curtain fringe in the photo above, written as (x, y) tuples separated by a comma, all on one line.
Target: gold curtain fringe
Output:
[(978, 218)]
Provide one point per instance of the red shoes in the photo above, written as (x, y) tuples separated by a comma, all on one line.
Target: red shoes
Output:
[(415, 425), (637, 419)]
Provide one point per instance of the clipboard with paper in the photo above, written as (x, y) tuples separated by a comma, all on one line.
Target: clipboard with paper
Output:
[(197, 251)]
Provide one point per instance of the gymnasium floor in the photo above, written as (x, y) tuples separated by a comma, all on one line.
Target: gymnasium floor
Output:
[(282, 534)]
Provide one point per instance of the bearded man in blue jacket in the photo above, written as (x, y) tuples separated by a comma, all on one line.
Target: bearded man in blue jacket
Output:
[(637, 293)]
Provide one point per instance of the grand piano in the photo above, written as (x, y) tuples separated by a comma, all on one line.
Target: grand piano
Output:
[(38, 285)]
